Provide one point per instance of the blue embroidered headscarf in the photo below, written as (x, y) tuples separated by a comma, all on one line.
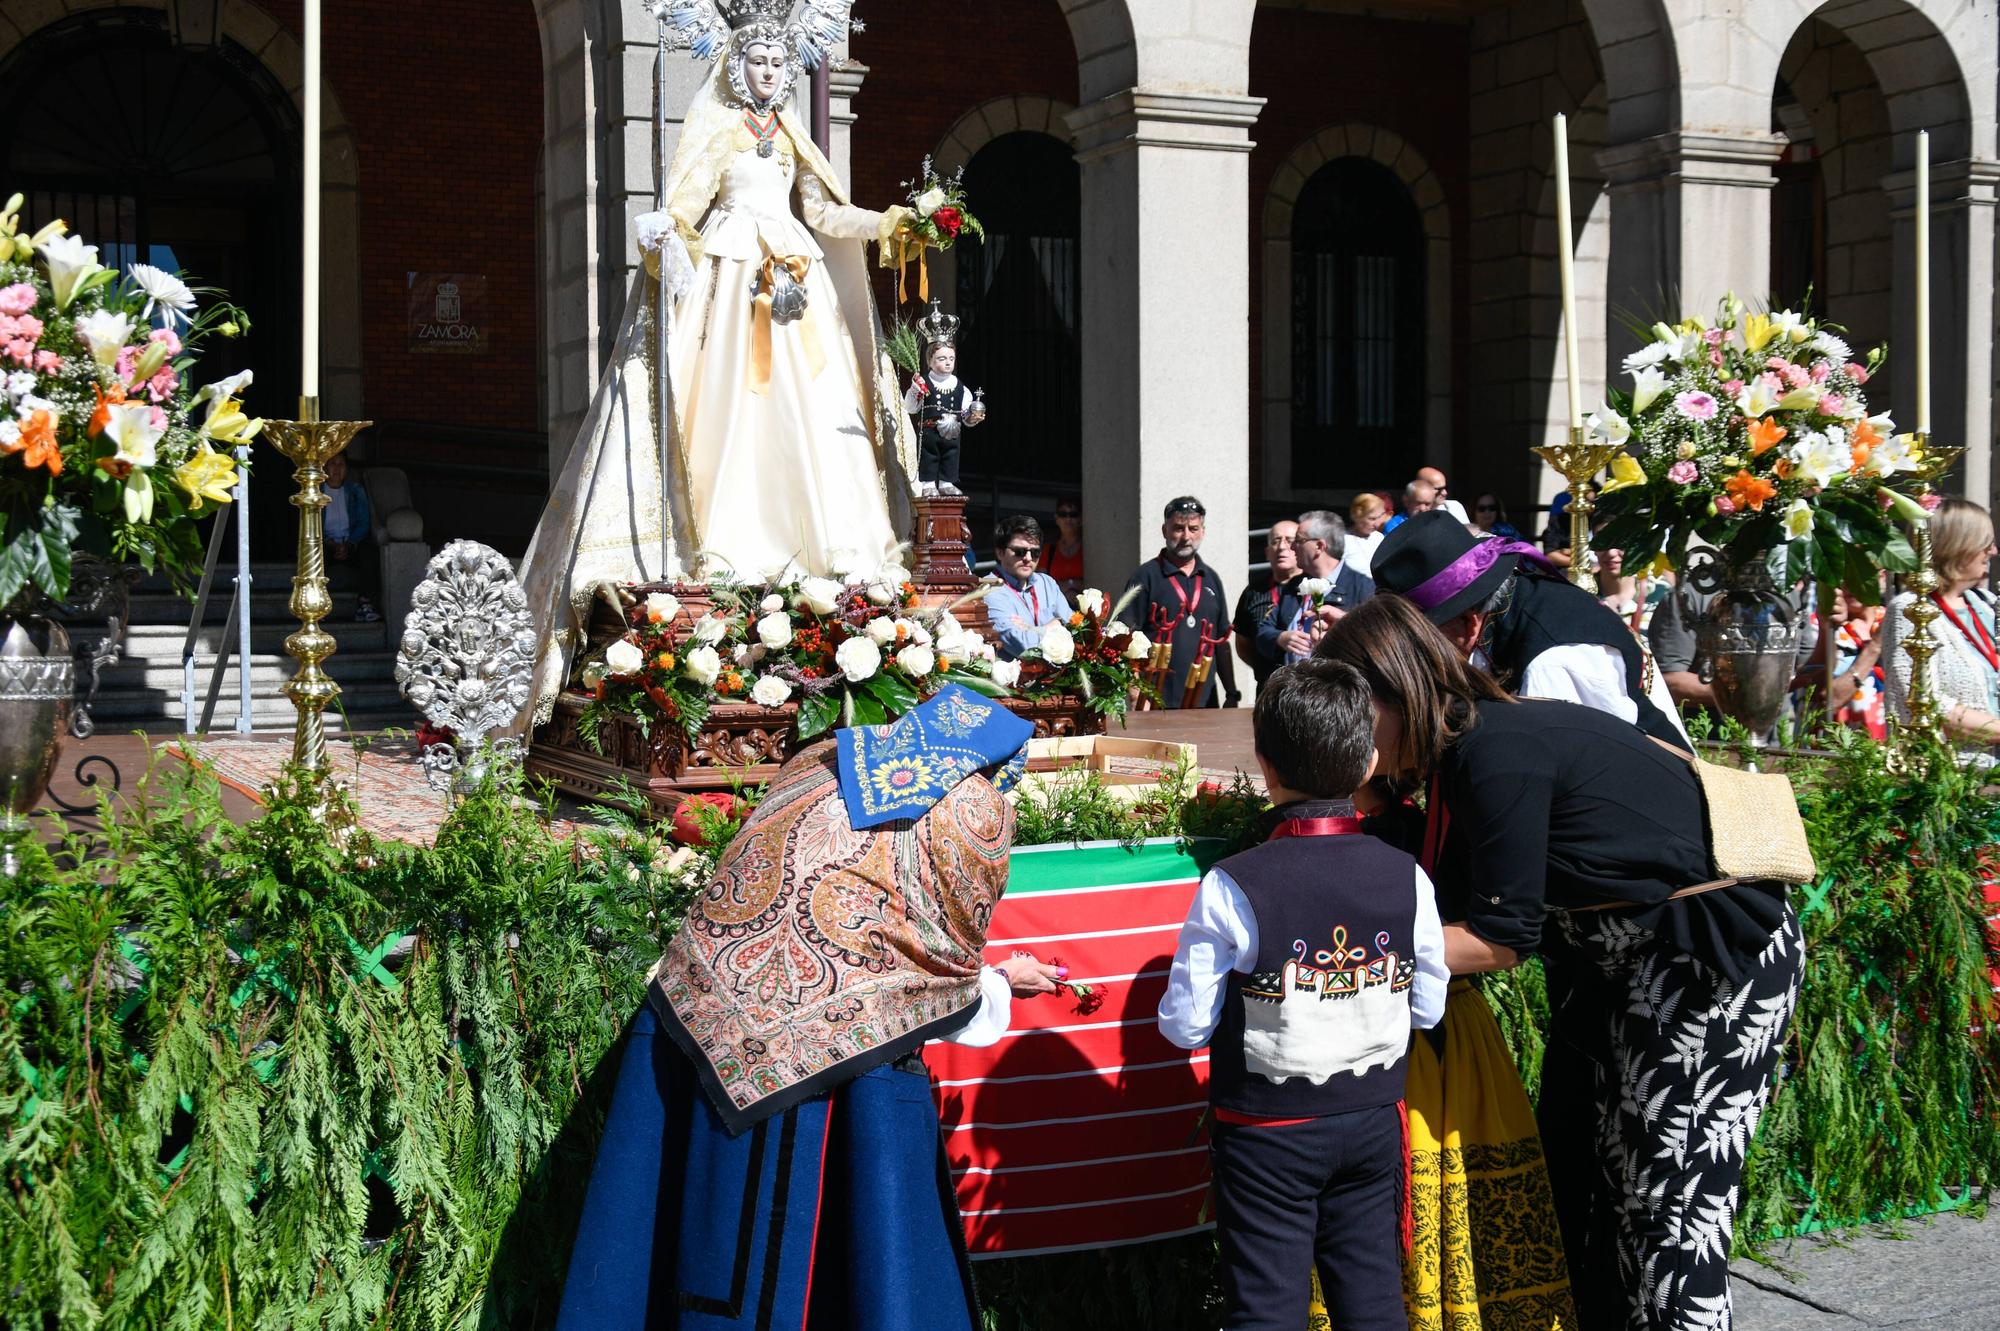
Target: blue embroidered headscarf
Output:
[(900, 770)]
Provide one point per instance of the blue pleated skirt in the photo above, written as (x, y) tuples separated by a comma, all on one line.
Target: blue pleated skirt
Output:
[(837, 1213)]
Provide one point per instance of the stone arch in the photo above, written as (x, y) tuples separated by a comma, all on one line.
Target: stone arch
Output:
[(1427, 192), (1107, 58), (979, 127), (273, 46), (1642, 74)]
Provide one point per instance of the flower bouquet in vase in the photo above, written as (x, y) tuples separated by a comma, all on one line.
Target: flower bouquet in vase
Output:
[(937, 218), (107, 453), (1750, 434)]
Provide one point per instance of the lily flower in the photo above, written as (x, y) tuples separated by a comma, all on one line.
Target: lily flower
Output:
[(138, 497), (1647, 385), (1625, 473), (1799, 520), (1758, 330), (207, 475), (71, 263), (1817, 460), (1764, 435), (1904, 507), (164, 289), (1609, 426), (129, 426), (1756, 399), (105, 333), (35, 440)]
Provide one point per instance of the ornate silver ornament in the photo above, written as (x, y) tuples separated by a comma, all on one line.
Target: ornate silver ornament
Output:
[(788, 299), (467, 659)]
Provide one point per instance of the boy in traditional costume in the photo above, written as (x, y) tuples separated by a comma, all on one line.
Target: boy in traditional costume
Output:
[(1303, 966)]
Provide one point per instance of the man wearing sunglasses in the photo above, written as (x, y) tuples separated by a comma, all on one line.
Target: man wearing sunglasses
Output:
[(1026, 601), (1181, 601)]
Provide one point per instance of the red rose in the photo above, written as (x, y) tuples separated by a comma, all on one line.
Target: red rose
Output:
[(948, 220)]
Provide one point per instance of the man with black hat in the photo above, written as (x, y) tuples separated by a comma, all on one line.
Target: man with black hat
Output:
[(1503, 605), (1181, 601)]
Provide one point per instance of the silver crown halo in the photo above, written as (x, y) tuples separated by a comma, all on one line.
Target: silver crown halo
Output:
[(705, 27), (937, 328)]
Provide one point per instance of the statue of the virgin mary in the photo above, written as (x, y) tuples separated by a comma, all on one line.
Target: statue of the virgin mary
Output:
[(787, 451)]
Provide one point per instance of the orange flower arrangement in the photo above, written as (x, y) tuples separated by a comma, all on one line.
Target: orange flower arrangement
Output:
[(1862, 439), (1749, 491)]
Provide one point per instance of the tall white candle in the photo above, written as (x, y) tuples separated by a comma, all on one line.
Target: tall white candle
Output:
[(1566, 262), (309, 262), (1923, 281)]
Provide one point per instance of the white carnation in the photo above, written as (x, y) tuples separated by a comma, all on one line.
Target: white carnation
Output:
[(1315, 588), (917, 661), (775, 629), (770, 691), (704, 665), (930, 201), (1058, 647), (624, 657), (858, 659)]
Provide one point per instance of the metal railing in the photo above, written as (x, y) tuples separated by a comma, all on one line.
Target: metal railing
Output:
[(238, 620)]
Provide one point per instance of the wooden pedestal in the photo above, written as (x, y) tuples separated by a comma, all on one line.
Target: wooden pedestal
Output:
[(937, 554)]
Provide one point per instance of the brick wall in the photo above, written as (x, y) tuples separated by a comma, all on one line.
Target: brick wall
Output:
[(1320, 70), (445, 100)]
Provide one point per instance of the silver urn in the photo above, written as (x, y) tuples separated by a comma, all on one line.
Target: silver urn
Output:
[(1748, 635), (37, 685)]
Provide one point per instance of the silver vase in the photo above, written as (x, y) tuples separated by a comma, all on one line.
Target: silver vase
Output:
[(37, 684), (1748, 634)]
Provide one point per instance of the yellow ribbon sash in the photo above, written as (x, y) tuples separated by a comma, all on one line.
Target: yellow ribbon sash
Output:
[(798, 265), (908, 247)]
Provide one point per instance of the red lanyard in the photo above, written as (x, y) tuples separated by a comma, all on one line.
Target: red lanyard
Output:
[(1983, 643), (1189, 603), (1437, 822), (1317, 827)]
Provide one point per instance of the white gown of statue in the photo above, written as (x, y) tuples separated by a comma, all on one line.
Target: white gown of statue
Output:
[(803, 473)]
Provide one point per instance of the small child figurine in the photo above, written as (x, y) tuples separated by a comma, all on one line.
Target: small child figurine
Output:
[(941, 404)]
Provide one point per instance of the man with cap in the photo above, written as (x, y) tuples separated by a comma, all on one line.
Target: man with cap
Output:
[(1504, 606), (1181, 601)]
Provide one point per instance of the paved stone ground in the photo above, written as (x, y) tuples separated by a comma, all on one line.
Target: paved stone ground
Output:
[(1938, 1275)]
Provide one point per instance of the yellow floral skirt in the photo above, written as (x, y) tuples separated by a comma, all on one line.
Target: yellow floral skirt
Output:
[(1488, 1255)]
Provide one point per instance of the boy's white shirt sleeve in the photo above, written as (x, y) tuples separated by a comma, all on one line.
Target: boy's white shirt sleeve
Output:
[(989, 1021), (1220, 936), (1433, 978)]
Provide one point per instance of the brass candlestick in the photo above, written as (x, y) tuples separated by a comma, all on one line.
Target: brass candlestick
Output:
[(1925, 719), (1578, 462), (310, 443)]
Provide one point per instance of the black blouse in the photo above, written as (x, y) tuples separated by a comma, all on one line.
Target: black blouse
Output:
[(1553, 804)]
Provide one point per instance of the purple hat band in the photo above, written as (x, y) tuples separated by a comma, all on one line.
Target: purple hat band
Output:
[(1468, 568)]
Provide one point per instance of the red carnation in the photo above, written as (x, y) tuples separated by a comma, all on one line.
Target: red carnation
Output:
[(688, 825), (948, 220)]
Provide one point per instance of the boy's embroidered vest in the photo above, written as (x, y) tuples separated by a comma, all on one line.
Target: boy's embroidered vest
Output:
[(1322, 1022)]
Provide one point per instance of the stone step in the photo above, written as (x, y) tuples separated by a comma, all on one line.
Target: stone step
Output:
[(270, 603), (267, 670), (163, 642)]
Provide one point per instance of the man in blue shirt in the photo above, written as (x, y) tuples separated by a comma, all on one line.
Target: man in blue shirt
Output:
[(1025, 601)]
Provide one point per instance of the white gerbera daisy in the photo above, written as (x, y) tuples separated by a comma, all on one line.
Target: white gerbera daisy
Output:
[(163, 288)]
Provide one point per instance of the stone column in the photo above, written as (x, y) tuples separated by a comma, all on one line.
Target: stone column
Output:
[(1166, 307), (1962, 308), (1690, 221), (847, 76)]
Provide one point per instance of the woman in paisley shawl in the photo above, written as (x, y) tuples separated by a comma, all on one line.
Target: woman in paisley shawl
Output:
[(772, 1149), (1559, 831)]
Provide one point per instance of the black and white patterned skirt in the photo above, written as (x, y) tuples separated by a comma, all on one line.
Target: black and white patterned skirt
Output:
[(1658, 1069)]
